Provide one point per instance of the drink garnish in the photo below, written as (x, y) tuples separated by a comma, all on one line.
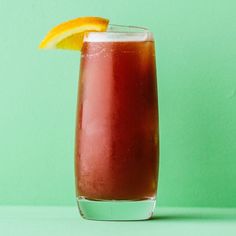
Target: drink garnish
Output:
[(69, 35)]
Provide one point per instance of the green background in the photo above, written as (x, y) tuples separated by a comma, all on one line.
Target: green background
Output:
[(196, 57)]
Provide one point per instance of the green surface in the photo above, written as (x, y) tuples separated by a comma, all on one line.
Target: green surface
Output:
[(59, 221), (196, 56)]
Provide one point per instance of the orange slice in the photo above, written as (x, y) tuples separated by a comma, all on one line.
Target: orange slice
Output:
[(70, 34)]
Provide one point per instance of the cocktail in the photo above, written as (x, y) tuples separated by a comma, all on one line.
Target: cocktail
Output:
[(117, 138)]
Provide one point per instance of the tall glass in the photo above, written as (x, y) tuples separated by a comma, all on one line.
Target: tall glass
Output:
[(117, 137)]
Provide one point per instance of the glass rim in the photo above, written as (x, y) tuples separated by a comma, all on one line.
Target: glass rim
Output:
[(114, 28), (120, 33)]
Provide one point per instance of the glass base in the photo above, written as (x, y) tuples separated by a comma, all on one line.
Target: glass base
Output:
[(116, 210)]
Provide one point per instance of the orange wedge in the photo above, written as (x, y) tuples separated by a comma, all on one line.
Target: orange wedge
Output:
[(70, 34)]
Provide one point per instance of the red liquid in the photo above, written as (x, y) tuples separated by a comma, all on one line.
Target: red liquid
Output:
[(117, 144)]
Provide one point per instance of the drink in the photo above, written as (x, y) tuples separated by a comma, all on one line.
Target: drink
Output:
[(117, 144), (117, 136)]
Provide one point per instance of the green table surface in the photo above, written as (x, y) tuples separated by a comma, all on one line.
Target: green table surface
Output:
[(66, 221)]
